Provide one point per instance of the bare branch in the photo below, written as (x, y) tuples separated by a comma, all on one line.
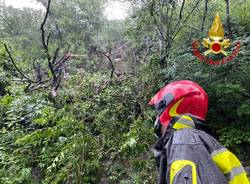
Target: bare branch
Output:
[(32, 85), (37, 86), (108, 56), (38, 72), (181, 11), (9, 25), (185, 20), (228, 19), (55, 63), (15, 66), (171, 31), (58, 81), (64, 58), (204, 16), (44, 42), (160, 32), (51, 68), (180, 14), (27, 87)]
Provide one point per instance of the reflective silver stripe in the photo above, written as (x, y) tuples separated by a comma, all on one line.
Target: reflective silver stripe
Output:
[(234, 172), (187, 122), (218, 151)]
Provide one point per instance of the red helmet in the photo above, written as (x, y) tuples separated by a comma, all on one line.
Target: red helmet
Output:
[(180, 97)]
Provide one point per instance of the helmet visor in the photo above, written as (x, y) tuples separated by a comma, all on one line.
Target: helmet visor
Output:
[(164, 103)]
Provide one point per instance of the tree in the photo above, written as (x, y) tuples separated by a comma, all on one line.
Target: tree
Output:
[(228, 19), (55, 42), (169, 17)]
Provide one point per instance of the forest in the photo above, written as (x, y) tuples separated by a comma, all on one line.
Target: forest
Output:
[(75, 86)]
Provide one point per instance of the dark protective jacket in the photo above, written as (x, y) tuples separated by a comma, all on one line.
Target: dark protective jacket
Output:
[(186, 155)]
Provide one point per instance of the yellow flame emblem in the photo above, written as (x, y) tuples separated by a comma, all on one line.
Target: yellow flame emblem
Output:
[(216, 42), (217, 30)]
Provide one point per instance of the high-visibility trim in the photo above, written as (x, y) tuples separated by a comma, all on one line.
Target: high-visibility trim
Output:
[(186, 117), (184, 122), (231, 167), (216, 152), (178, 165), (234, 172), (240, 179), (178, 125), (225, 160), (173, 110), (187, 121)]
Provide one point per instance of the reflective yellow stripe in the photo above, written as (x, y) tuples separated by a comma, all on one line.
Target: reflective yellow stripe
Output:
[(240, 179), (178, 125), (178, 165), (229, 164), (187, 118), (226, 160), (184, 122)]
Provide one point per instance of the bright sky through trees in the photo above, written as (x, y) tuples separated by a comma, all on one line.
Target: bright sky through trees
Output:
[(114, 10), (23, 3)]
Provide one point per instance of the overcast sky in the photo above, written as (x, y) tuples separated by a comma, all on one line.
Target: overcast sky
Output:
[(114, 10), (22, 3)]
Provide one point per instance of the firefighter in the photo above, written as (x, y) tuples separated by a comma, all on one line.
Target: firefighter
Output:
[(185, 152)]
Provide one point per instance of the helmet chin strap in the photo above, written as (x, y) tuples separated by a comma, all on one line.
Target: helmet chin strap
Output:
[(157, 127)]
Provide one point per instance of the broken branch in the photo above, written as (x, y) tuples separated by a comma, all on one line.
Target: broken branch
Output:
[(15, 66)]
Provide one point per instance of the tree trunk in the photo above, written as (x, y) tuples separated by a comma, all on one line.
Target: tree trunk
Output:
[(228, 19)]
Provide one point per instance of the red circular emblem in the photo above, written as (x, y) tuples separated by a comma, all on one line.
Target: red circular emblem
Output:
[(216, 47)]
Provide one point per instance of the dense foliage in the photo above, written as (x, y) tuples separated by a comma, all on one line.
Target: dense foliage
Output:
[(99, 129)]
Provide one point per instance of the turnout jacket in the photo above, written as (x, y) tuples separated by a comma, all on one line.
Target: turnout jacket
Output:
[(186, 155)]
